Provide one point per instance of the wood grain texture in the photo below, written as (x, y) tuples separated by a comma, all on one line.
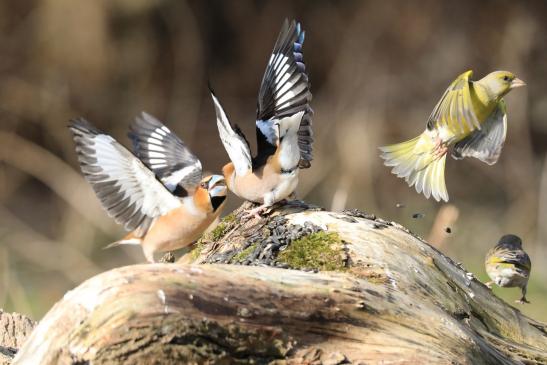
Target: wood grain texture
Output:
[(396, 300), (14, 329)]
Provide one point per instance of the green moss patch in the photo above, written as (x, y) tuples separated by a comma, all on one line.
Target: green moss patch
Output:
[(194, 254), (220, 230), (323, 251), (216, 234), (230, 218), (241, 256)]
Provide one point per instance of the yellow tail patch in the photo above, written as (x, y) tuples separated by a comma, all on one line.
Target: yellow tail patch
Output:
[(415, 161)]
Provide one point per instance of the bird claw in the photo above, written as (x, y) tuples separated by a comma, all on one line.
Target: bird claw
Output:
[(489, 284), (522, 300), (255, 212), (439, 149), (263, 209)]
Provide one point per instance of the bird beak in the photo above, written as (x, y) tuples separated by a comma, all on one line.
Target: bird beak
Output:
[(517, 83), (218, 191), (217, 186), (216, 180)]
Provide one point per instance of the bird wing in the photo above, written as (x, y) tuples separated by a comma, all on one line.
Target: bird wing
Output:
[(486, 143), (284, 94), (455, 109), (165, 154), (519, 258), (128, 190), (234, 140)]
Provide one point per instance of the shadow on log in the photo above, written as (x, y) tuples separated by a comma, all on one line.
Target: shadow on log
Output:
[(302, 286)]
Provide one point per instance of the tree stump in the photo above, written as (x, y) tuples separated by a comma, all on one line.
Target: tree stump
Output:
[(14, 329), (301, 286)]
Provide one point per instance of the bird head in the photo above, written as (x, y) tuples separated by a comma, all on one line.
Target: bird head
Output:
[(510, 241), (215, 185), (501, 82)]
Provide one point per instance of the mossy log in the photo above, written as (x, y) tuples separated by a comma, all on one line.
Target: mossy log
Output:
[(301, 286)]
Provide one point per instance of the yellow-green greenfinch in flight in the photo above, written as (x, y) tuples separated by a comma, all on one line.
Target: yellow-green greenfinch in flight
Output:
[(471, 115), (508, 265)]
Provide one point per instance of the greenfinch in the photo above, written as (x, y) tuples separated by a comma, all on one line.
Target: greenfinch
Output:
[(471, 117), (508, 265)]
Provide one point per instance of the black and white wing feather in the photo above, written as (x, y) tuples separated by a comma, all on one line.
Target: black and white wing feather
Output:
[(165, 154), (127, 189), (234, 140), (486, 143), (285, 94)]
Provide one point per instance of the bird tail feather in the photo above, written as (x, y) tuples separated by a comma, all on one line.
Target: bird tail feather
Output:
[(415, 161), (130, 239)]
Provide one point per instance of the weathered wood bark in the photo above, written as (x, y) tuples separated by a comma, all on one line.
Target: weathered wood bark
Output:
[(389, 297), (14, 329)]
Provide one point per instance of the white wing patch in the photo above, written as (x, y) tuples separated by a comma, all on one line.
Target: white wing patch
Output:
[(172, 180), (236, 146), (284, 93), (127, 189), (165, 154), (289, 151)]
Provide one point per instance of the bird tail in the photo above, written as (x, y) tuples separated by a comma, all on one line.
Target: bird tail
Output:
[(415, 161), (130, 239)]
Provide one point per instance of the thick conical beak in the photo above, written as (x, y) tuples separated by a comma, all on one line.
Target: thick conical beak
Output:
[(216, 180), (517, 83), (217, 191), (217, 186)]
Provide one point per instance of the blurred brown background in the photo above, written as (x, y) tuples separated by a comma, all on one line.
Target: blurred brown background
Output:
[(377, 69)]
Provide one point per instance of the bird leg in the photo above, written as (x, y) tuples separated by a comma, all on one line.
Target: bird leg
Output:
[(256, 212), (264, 208), (523, 299), (149, 256), (439, 149)]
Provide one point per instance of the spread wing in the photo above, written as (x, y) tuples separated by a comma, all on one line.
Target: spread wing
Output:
[(165, 154), (486, 143), (284, 93), (455, 109), (234, 140), (128, 190)]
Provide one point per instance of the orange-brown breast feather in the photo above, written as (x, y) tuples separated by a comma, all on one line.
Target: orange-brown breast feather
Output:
[(273, 161), (176, 229), (253, 186), (228, 171)]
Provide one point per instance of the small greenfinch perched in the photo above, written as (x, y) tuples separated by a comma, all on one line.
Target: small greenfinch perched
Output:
[(471, 116), (508, 265)]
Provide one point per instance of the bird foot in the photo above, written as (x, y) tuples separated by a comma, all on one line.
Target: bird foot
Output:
[(255, 212), (522, 300), (440, 152), (263, 209), (439, 148), (489, 284)]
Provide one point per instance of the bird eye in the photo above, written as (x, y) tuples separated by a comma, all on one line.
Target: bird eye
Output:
[(505, 78), (204, 185)]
